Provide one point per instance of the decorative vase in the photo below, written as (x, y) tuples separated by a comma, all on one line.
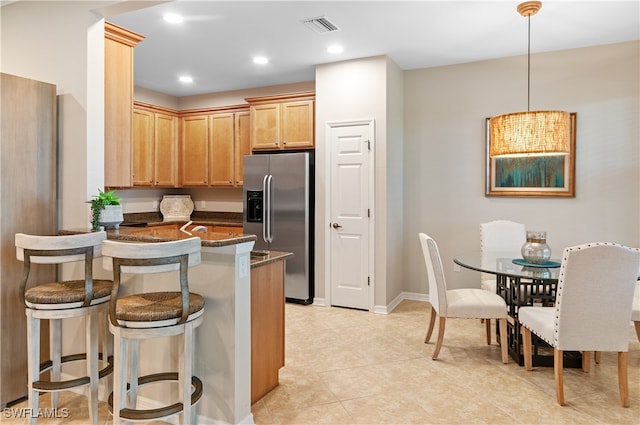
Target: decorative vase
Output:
[(111, 216), (535, 250)]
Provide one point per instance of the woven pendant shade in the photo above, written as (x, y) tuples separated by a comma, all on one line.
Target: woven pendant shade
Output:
[(530, 133)]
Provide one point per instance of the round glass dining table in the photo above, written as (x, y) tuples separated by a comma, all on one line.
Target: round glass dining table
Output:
[(521, 284), (503, 264)]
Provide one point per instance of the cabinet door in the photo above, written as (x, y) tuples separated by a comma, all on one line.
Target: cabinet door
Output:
[(298, 125), (221, 149), (118, 97), (265, 127), (195, 150), (242, 144), (143, 147), (166, 150)]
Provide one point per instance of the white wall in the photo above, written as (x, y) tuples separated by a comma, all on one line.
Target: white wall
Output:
[(444, 114), (352, 90), (65, 50)]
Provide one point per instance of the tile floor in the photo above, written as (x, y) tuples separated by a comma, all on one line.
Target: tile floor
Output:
[(352, 367)]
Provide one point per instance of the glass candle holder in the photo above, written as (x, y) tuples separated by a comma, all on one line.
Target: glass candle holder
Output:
[(535, 250)]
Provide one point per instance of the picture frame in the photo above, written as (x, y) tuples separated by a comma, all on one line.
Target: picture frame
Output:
[(532, 176)]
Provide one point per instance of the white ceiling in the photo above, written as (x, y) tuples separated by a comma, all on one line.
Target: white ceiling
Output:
[(218, 39)]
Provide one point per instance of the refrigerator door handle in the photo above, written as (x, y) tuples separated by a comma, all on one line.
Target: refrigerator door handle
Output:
[(265, 208), (268, 209)]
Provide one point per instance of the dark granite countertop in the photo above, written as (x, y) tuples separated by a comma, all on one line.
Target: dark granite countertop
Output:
[(170, 232), (262, 259)]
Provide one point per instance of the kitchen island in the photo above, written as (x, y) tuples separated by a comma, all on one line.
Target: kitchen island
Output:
[(222, 358)]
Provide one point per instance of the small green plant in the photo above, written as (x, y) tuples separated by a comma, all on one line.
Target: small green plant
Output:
[(99, 201)]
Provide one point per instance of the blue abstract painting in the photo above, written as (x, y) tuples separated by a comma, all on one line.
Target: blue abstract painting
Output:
[(532, 172)]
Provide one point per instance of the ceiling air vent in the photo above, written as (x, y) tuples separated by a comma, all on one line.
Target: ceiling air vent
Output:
[(320, 25)]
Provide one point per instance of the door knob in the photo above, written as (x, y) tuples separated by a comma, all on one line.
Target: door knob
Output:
[(336, 226)]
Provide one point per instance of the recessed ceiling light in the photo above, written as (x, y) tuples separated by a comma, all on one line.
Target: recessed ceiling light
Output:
[(261, 60), (335, 49), (186, 79), (173, 18)]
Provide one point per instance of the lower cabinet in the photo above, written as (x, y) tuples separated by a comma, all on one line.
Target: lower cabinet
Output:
[(267, 327)]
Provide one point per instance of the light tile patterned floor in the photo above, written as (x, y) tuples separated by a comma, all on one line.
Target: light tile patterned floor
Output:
[(353, 367)]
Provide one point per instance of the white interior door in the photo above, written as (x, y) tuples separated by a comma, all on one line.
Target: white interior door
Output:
[(350, 214)]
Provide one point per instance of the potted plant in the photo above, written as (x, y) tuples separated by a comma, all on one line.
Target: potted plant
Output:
[(105, 210)]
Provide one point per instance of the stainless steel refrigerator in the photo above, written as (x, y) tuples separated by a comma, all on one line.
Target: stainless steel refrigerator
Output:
[(278, 209)]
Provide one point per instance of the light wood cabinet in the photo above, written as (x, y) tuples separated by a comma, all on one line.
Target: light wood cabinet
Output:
[(195, 150), (283, 122), (267, 327), (213, 147), (242, 144), (118, 110), (155, 148), (28, 205)]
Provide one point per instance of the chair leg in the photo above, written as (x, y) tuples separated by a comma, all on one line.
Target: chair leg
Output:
[(134, 355), (586, 361), (55, 350), (91, 338), (185, 364), (557, 373), (596, 357), (106, 348), (526, 347), (503, 340), (431, 324), (637, 326), (623, 377), (33, 364), (119, 374), (487, 325), (441, 323)]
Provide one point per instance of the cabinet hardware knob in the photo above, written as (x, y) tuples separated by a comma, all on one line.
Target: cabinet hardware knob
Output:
[(336, 226)]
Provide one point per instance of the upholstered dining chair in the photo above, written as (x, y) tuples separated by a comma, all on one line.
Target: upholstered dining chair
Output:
[(499, 237), (592, 309), (468, 303)]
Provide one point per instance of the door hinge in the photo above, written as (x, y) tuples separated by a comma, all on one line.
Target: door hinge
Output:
[(368, 212), (369, 144), (368, 281)]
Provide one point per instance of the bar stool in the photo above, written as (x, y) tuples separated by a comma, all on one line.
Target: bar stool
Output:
[(59, 300), (139, 316)]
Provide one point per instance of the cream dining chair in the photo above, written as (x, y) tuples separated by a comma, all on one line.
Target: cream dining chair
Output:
[(592, 309), (498, 237), (467, 303)]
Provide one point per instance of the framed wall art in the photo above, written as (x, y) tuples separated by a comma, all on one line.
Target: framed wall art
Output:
[(534, 176)]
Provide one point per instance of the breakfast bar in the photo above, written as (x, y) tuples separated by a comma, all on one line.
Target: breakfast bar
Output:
[(222, 357)]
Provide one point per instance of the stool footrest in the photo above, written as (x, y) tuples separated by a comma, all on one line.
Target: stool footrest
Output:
[(161, 412), (72, 383)]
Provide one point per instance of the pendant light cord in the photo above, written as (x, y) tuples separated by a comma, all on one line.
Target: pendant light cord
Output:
[(529, 64)]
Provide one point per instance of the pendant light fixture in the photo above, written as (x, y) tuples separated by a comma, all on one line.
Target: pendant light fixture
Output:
[(533, 132)]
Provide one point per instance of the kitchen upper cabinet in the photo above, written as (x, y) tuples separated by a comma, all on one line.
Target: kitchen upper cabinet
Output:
[(242, 144), (118, 110), (155, 148), (221, 149), (283, 122), (213, 147), (195, 150)]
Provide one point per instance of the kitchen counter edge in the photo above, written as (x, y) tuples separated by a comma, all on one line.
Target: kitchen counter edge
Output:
[(116, 235)]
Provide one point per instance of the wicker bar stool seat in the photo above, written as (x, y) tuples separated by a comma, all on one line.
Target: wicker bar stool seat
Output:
[(55, 301), (139, 316)]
